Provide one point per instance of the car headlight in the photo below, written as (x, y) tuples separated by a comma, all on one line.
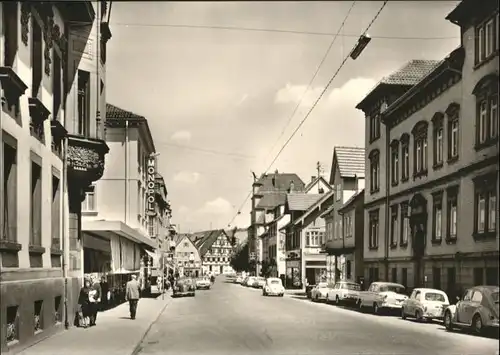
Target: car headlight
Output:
[(267, 289)]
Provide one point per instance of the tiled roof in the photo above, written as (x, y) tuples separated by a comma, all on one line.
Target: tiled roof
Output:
[(301, 202), (272, 200), (350, 160), (411, 73), (240, 235), (408, 75), (281, 182), (115, 112), (313, 208), (315, 181), (327, 211)]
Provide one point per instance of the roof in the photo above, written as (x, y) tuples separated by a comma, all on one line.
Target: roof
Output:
[(316, 181), (208, 240), (240, 235), (327, 211), (349, 160), (272, 200), (353, 198), (301, 202), (408, 75), (281, 182), (116, 112), (314, 206)]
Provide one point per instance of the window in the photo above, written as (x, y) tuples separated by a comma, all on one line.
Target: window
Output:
[(394, 162), (10, 27), (485, 205), (437, 217), (36, 58), (374, 227), (493, 117), (83, 103), (453, 113), (437, 121), (56, 85), (486, 92), (338, 192), (313, 238), (405, 225), (55, 216), (405, 156), (348, 227), (483, 121), (420, 150), (486, 39), (477, 297), (36, 205), (89, 203), (452, 204), (374, 121), (374, 171), (394, 226), (151, 227), (9, 187)]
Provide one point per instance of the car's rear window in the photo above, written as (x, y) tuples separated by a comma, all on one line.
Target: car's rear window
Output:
[(392, 288), (434, 296), (275, 282), (323, 285), (353, 287)]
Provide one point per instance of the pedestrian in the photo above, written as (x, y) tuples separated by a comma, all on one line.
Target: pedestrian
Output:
[(95, 299), (83, 311), (212, 279), (132, 295)]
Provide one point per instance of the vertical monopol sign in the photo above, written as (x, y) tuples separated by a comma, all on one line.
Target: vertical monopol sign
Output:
[(150, 190)]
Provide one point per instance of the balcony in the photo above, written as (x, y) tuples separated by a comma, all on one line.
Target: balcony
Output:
[(85, 158), (13, 88)]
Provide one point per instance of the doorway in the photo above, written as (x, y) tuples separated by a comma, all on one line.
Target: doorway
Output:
[(221, 269)]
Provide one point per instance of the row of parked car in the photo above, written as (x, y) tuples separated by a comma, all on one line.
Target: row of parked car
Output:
[(271, 286), (477, 309)]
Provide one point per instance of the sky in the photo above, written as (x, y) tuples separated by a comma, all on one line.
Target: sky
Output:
[(219, 101)]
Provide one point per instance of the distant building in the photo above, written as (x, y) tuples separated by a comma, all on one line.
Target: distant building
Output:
[(215, 250), (187, 260)]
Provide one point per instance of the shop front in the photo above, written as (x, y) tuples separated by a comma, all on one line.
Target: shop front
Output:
[(315, 270), (293, 273)]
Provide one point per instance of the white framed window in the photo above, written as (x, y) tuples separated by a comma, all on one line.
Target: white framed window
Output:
[(494, 116), (489, 43), (439, 145), (481, 211), (89, 203), (480, 44), (454, 138), (492, 212), (419, 156), (483, 121)]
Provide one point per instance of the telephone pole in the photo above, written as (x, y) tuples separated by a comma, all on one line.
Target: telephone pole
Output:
[(318, 169)]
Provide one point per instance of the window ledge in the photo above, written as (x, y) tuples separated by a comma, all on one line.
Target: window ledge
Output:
[(488, 143), (393, 246), (484, 236), (452, 160), (55, 251), (437, 166), (36, 249), (394, 183), (13, 87), (486, 60), (451, 240), (435, 241), (405, 179), (89, 213), (420, 174), (373, 248), (403, 245), (6, 245), (374, 191)]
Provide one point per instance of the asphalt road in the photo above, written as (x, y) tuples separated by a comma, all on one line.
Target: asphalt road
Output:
[(232, 319)]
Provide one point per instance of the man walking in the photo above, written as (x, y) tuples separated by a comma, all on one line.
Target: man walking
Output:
[(132, 295)]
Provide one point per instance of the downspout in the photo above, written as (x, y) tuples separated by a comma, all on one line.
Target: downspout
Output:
[(126, 172), (98, 80), (62, 215), (387, 194)]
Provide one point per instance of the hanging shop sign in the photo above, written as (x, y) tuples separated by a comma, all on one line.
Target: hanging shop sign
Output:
[(150, 187)]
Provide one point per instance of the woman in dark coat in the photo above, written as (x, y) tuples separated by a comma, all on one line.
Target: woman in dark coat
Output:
[(84, 306)]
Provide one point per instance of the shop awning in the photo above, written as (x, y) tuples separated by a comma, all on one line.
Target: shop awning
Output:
[(103, 227)]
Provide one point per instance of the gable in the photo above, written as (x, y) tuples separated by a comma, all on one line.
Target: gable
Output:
[(314, 186), (185, 243)]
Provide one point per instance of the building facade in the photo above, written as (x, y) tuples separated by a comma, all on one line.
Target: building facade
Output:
[(187, 260), (53, 84), (347, 178), (437, 204), (215, 249)]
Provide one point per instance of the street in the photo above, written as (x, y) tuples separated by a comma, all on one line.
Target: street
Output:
[(232, 319)]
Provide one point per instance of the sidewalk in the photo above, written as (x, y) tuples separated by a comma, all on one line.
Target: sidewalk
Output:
[(114, 334)]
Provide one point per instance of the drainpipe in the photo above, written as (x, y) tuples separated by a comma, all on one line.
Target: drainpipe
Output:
[(62, 215), (98, 79), (126, 172), (387, 212)]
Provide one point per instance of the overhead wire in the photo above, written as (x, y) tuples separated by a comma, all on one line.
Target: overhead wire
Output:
[(271, 30), (312, 108), (312, 79), (209, 151)]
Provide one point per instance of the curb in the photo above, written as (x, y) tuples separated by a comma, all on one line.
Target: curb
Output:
[(138, 347)]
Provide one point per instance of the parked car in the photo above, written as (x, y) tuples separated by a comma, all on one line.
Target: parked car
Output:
[(273, 286), (344, 292), (259, 282), (309, 289), (382, 296), (320, 291), (203, 283), (184, 287), (239, 279), (425, 304), (249, 282), (478, 310)]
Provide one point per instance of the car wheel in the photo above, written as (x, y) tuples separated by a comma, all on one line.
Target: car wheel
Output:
[(403, 314), (418, 316), (448, 321), (282, 295), (317, 298), (337, 301), (477, 324)]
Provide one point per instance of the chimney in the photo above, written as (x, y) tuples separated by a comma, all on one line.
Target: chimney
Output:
[(313, 178)]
